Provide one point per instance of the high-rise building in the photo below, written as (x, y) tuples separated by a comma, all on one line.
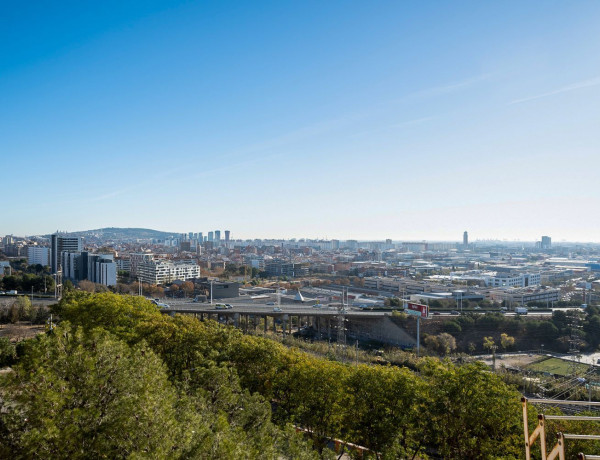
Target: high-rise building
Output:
[(227, 234), (200, 237), (465, 239), (546, 242), (61, 243), (210, 237), (38, 255), (218, 237), (99, 268)]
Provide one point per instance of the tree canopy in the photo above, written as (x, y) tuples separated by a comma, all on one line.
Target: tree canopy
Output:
[(94, 387)]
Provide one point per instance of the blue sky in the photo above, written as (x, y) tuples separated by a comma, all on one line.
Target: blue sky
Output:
[(340, 119)]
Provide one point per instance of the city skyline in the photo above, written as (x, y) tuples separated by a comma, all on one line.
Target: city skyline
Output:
[(544, 241), (339, 120)]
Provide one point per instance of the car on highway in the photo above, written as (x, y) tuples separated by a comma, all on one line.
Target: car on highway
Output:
[(454, 312), (277, 310), (317, 305), (220, 306), (270, 303), (228, 306)]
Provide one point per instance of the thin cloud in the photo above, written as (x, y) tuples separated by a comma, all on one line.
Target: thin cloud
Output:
[(579, 85)]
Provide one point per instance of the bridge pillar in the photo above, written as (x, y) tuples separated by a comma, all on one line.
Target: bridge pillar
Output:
[(286, 319), (265, 318), (329, 328), (274, 325)]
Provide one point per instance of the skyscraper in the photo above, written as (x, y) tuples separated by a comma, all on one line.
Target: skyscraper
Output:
[(218, 237), (227, 234), (60, 243), (465, 239), (546, 242)]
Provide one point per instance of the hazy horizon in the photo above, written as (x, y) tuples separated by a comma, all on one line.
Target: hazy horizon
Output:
[(292, 237), (346, 120)]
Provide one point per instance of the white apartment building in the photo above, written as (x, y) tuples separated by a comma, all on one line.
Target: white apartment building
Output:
[(162, 271), (37, 255)]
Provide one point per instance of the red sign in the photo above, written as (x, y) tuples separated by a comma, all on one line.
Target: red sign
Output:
[(417, 309)]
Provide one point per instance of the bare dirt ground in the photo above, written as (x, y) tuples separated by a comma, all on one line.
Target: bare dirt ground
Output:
[(20, 331), (513, 360)]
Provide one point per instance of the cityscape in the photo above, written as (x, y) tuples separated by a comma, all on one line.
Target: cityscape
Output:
[(300, 230)]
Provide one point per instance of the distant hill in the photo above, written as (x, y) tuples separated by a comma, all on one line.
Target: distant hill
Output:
[(117, 233)]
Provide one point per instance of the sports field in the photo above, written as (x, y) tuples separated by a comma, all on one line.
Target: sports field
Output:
[(557, 366)]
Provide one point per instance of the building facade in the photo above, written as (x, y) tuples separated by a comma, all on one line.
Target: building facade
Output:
[(60, 243), (38, 256), (162, 271)]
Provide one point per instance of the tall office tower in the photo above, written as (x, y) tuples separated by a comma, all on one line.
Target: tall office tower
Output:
[(210, 237), (191, 235), (546, 242), (60, 243), (200, 237), (227, 234), (218, 237), (465, 239)]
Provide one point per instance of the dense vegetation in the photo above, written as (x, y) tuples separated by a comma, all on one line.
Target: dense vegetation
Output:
[(120, 379), (21, 309), (554, 334)]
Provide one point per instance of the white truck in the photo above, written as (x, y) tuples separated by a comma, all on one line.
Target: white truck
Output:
[(521, 311)]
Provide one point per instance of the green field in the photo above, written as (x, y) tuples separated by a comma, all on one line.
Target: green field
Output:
[(557, 366)]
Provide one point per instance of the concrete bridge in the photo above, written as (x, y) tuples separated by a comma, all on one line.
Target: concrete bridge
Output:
[(324, 321)]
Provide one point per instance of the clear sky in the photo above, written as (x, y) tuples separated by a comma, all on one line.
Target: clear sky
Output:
[(339, 119)]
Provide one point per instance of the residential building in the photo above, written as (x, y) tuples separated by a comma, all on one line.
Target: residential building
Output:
[(162, 271), (137, 258), (123, 264)]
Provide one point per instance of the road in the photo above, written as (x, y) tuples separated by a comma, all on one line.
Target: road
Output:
[(258, 309)]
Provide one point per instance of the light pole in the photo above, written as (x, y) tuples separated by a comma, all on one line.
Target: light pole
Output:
[(211, 291)]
